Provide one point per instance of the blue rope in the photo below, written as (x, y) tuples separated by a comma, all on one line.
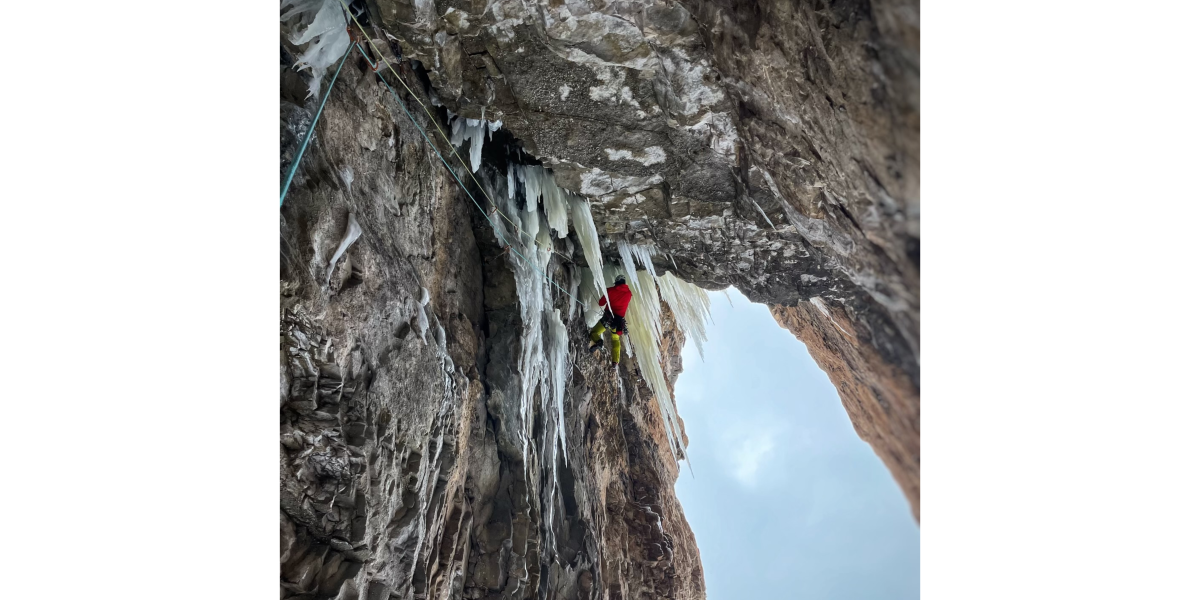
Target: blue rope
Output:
[(296, 161), (460, 183)]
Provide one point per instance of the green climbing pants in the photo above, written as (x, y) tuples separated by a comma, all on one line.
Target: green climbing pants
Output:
[(598, 332)]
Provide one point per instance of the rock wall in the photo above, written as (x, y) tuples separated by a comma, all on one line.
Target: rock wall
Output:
[(405, 468), (770, 146)]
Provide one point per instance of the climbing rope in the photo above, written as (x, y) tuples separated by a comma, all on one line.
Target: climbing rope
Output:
[(507, 246), (375, 67), (287, 183)]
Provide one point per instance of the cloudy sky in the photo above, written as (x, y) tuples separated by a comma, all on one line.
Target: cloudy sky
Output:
[(787, 501)]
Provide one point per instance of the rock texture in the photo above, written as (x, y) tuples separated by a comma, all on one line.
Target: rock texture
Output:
[(767, 145)]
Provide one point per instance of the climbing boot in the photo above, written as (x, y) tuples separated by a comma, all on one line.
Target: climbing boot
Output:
[(596, 346)]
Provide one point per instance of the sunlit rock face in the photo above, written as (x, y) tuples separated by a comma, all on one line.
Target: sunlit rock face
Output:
[(769, 146)]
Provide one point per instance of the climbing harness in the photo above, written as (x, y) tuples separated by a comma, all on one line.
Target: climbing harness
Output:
[(287, 183), (347, 12)]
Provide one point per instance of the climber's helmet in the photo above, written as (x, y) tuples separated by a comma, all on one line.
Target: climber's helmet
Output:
[(620, 280)]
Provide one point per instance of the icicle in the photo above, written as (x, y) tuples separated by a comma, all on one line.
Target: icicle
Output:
[(644, 331), (530, 223), (556, 205), (585, 230), (539, 182), (690, 304), (512, 186), (573, 288), (627, 263), (352, 233), (643, 255), (464, 129), (476, 145), (558, 368)]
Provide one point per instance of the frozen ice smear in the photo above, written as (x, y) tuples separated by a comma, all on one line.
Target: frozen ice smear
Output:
[(817, 302), (352, 233), (585, 230)]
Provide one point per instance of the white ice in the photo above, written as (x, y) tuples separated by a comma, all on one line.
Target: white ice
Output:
[(817, 302), (690, 304), (326, 31), (643, 321), (473, 130), (585, 230), (352, 233), (540, 183)]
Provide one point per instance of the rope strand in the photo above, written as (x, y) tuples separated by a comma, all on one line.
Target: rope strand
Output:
[(461, 184), (312, 127), (433, 119)]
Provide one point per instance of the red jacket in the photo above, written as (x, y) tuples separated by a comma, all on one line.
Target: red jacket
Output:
[(620, 295)]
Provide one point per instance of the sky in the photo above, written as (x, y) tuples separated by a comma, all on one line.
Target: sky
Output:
[(787, 501)]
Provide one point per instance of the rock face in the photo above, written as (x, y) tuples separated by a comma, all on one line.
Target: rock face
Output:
[(771, 146)]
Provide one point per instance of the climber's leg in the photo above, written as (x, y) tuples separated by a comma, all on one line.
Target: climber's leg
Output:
[(616, 350), (595, 336)]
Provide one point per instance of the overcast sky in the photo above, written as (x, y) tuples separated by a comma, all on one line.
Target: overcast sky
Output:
[(787, 501)]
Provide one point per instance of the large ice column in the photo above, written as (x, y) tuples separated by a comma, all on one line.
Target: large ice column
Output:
[(557, 342), (585, 230), (589, 296), (327, 32), (690, 304), (540, 183), (543, 359)]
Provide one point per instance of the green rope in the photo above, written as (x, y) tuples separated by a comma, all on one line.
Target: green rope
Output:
[(460, 183), (300, 154)]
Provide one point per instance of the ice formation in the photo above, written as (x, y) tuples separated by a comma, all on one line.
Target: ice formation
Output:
[(817, 302), (644, 324), (627, 265), (585, 230), (589, 296), (642, 253), (543, 360), (558, 367), (540, 183), (326, 32), (474, 130), (352, 233), (423, 314), (690, 304)]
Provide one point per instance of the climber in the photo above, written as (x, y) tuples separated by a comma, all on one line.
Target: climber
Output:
[(613, 318)]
